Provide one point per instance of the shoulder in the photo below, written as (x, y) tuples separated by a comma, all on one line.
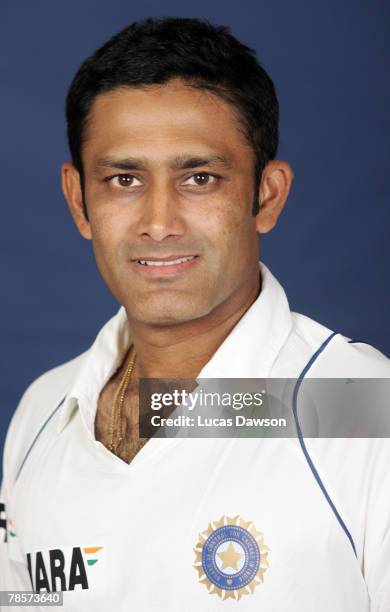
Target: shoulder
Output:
[(357, 490), (48, 389), (35, 406), (41, 399), (314, 350), (339, 356)]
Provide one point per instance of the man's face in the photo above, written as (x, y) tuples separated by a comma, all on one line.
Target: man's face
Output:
[(169, 175)]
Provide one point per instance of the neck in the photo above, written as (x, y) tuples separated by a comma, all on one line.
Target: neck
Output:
[(181, 351)]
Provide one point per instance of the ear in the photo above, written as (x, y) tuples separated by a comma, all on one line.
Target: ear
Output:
[(275, 185), (71, 187)]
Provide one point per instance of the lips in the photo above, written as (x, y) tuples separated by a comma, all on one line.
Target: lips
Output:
[(164, 267), (172, 260)]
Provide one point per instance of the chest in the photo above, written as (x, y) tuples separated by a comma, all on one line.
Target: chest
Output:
[(182, 520), (117, 421)]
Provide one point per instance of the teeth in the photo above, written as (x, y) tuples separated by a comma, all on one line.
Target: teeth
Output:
[(173, 262)]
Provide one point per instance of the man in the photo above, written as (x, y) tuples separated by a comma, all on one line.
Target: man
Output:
[(173, 131)]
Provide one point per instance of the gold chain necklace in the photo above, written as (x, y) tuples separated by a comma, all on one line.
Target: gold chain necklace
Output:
[(115, 429)]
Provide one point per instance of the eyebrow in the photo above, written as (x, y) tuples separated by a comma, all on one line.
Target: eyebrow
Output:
[(180, 162)]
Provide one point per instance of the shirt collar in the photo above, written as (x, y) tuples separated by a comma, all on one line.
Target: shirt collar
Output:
[(249, 351), (102, 360), (254, 343)]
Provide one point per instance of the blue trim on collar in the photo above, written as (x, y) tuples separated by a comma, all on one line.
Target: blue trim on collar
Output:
[(303, 445), (37, 436)]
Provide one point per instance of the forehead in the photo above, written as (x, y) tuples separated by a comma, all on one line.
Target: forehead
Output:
[(162, 120)]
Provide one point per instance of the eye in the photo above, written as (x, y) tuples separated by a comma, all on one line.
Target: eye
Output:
[(124, 180), (201, 179)]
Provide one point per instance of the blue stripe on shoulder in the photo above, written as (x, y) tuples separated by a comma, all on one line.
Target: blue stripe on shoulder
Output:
[(303, 445), (37, 436)]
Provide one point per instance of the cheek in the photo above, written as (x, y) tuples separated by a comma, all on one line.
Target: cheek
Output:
[(108, 234), (233, 226)]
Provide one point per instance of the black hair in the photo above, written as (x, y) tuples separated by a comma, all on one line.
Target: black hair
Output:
[(208, 57)]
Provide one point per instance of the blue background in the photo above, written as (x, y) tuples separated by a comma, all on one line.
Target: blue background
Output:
[(330, 64)]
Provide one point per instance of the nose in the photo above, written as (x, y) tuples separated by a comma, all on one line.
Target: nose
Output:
[(160, 216)]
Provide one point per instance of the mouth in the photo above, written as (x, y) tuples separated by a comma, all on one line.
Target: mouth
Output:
[(171, 265), (168, 261)]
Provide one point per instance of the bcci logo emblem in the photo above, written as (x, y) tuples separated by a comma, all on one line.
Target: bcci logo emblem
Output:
[(231, 557)]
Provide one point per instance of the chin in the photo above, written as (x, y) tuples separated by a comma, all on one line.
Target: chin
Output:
[(165, 315), (163, 319)]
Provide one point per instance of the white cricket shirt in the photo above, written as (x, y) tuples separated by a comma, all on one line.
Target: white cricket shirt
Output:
[(199, 524)]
